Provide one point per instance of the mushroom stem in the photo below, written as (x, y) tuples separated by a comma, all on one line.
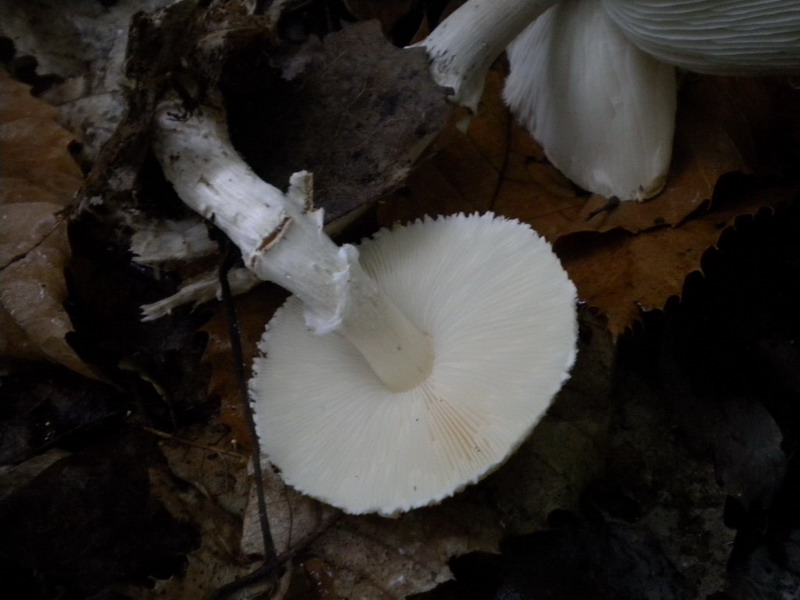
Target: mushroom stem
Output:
[(281, 240), (464, 45)]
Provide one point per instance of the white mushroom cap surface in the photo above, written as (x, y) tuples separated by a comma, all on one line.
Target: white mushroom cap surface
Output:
[(725, 37), (500, 311), (603, 110)]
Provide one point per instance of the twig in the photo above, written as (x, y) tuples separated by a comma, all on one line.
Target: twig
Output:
[(272, 567)]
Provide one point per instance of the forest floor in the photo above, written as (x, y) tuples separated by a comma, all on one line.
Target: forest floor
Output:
[(666, 468)]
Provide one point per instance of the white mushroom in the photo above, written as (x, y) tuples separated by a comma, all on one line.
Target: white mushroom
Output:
[(499, 310), (590, 78), (443, 347), (603, 110)]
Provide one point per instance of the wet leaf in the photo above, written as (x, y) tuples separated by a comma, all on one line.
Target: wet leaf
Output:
[(47, 407), (400, 16), (295, 520)]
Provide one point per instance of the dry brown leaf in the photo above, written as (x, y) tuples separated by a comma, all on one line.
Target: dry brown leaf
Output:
[(724, 125), (38, 179), (622, 273), (206, 485)]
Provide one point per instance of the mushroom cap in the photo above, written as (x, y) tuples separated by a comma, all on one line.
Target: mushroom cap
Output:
[(723, 37), (500, 311)]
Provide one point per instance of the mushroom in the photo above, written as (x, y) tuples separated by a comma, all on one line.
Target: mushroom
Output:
[(603, 110), (594, 81), (398, 372)]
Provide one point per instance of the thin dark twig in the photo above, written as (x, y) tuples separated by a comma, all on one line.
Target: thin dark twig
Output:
[(272, 565)]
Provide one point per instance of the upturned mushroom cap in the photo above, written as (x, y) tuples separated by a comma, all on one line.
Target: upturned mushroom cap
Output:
[(500, 312)]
